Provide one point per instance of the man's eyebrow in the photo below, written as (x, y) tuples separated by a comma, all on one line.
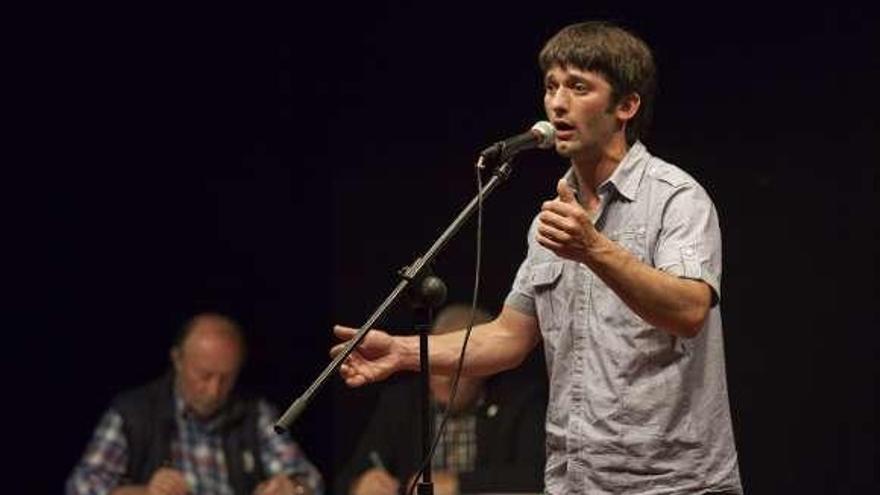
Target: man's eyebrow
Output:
[(578, 78), (550, 78)]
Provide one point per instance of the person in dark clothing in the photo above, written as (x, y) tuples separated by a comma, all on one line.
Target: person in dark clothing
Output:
[(494, 438), (191, 432)]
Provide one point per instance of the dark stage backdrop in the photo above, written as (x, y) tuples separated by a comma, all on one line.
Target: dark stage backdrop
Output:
[(281, 165)]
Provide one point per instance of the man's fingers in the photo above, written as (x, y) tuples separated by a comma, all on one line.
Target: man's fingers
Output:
[(561, 208), (389, 483), (375, 480), (548, 243), (355, 380), (357, 363), (566, 195), (552, 233), (336, 349), (551, 237), (553, 219), (269, 486), (351, 371), (170, 487), (179, 484), (383, 480), (169, 481), (344, 332)]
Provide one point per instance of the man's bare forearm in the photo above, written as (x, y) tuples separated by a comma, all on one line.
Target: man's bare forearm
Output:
[(492, 347), (678, 306)]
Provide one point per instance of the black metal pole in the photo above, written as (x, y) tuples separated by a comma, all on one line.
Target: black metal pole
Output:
[(413, 272)]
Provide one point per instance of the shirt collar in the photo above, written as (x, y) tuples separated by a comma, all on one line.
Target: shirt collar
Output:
[(626, 176), (183, 412), (468, 411)]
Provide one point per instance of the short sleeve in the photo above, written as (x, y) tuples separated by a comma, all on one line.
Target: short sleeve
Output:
[(689, 242), (522, 294)]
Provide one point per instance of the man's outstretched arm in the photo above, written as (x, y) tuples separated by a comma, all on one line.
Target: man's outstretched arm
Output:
[(492, 347)]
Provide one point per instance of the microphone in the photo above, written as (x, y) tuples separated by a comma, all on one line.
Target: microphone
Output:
[(541, 135)]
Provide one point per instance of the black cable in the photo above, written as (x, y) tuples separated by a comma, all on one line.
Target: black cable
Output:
[(467, 335)]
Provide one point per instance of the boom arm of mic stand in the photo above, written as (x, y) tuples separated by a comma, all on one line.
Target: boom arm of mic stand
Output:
[(413, 272)]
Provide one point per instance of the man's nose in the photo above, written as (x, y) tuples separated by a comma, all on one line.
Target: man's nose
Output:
[(214, 386), (557, 103)]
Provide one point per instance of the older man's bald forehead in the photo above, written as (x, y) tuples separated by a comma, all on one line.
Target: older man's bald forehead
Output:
[(212, 326)]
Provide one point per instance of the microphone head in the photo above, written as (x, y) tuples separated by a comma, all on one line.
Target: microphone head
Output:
[(546, 132)]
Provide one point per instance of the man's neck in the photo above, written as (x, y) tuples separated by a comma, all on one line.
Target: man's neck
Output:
[(595, 167)]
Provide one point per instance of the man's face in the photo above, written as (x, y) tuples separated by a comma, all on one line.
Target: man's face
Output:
[(578, 103), (206, 365)]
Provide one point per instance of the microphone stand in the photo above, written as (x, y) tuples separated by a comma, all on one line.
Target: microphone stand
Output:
[(412, 273), (424, 299)]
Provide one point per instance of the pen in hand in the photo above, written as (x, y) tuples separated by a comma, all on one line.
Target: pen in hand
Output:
[(377, 461)]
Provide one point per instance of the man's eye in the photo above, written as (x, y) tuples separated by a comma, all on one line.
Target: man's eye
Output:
[(581, 87)]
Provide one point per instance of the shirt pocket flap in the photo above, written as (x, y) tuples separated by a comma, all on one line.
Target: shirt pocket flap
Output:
[(545, 274), (631, 239)]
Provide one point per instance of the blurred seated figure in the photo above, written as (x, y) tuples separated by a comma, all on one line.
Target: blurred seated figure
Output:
[(192, 432), (494, 438)]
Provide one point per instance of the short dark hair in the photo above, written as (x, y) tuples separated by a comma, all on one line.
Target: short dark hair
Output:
[(620, 56)]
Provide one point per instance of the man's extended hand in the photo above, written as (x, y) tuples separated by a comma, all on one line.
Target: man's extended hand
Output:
[(376, 358), (375, 481), (445, 482), (167, 481), (564, 227), (281, 484)]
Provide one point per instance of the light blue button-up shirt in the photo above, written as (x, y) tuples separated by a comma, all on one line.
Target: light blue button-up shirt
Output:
[(632, 408)]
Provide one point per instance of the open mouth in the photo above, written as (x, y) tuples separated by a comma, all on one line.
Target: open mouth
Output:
[(562, 126), (564, 130)]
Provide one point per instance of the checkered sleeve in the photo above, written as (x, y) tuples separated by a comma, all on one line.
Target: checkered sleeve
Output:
[(281, 454), (102, 466)]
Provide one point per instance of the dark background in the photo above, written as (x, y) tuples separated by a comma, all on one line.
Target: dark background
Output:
[(281, 164)]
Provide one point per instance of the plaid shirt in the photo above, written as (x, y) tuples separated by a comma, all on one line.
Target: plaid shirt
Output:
[(457, 449), (196, 450)]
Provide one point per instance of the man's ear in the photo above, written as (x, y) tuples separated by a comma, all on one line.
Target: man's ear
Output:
[(628, 106)]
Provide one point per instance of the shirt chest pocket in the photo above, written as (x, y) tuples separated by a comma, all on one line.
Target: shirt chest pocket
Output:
[(638, 343), (634, 240), (547, 281), (611, 310)]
